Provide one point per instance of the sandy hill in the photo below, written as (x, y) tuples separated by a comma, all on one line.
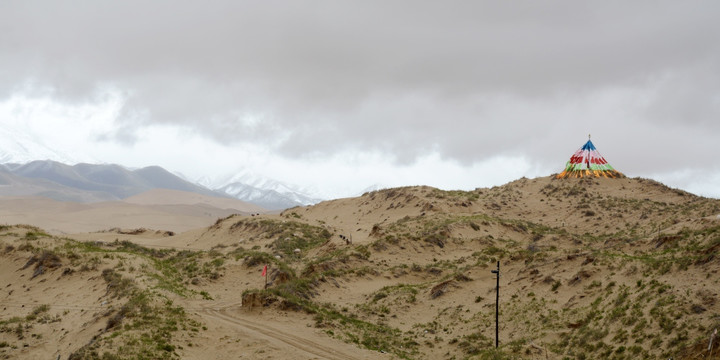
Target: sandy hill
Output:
[(167, 210), (590, 268), (175, 197)]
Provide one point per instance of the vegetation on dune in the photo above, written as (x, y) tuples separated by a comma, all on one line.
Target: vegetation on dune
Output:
[(622, 322), (143, 327), (22, 326), (289, 290), (296, 294), (585, 274), (143, 322), (288, 236)]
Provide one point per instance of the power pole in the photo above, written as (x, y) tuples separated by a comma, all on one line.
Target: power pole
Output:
[(497, 305)]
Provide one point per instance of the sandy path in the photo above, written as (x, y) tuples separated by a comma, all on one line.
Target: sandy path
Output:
[(303, 347), (283, 337)]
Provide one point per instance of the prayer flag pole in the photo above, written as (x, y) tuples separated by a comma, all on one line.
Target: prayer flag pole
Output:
[(264, 273)]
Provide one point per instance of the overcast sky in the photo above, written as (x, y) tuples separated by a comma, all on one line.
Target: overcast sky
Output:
[(343, 95)]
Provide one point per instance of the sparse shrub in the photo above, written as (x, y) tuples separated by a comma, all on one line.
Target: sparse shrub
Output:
[(556, 285), (36, 312), (258, 258), (45, 260), (362, 252), (474, 343), (117, 286), (34, 235), (440, 289), (379, 295)]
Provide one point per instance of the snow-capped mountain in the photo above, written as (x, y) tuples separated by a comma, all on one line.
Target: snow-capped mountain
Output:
[(262, 182), (268, 193), (268, 199), (23, 153)]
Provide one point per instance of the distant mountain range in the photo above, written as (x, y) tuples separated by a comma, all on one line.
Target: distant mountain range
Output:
[(88, 183), (108, 182), (22, 172)]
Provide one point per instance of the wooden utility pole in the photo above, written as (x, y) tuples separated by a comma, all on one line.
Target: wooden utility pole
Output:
[(497, 305)]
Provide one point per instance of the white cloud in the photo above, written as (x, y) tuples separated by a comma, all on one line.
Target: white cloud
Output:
[(703, 182), (68, 128), (87, 130), (455, 95)]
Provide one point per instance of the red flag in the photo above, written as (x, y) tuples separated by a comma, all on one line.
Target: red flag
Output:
[(264, 270)]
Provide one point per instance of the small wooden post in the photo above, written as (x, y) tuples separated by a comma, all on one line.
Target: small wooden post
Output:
[(497, 305), (712, 338)]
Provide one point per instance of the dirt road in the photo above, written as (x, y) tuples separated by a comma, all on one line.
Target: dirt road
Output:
[(276, 336)]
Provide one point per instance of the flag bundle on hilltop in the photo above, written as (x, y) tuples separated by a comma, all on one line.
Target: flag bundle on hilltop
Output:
[(587, 162)]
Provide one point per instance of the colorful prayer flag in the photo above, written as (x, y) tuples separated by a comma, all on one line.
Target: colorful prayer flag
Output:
[(587, 161)]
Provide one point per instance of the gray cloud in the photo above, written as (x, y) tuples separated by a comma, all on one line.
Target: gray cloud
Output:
[(470, 79)]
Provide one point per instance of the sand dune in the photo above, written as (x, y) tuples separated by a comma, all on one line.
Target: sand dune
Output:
[(169, 210), (591, 268), (175, 197)]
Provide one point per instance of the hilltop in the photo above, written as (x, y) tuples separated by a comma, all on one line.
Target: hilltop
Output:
[(590, 268)]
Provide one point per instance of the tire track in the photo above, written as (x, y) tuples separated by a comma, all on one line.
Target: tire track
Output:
[(264, 331)]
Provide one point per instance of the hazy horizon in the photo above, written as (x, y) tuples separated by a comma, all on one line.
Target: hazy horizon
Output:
[(344, 96)]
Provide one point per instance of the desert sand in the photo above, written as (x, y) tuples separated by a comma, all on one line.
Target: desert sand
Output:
[(158, 209), (590, 268)]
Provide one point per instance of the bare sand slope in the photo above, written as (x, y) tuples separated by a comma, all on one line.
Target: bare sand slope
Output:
[(175, 197), (169, 210)]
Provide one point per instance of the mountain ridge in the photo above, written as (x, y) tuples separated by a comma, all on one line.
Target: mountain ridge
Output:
[(269, 193), (84, 182), (98, 182)]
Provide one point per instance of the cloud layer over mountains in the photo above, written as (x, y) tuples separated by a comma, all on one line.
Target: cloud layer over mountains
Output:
[(465, 82)]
